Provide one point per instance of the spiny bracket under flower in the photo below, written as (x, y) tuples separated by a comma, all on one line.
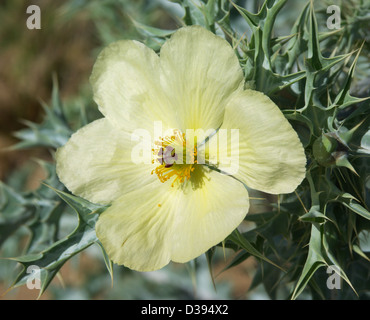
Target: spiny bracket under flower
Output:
[(176, 156)]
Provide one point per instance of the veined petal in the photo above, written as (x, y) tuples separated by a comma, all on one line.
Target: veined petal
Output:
[(135, 230), (271, 157), (96, 163), (126, 86), (209, 210), (199, 72), (148, 227)]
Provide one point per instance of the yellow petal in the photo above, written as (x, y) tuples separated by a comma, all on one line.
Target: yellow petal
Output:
[(135, 231), (200, 71), (96, 163), (126, 86), (271, 157), (210, 210), (148, 227)]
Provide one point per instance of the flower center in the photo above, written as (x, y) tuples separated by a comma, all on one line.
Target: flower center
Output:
[(176, 157)]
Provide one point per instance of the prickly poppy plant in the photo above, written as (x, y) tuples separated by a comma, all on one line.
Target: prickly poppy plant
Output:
[(197, 83), (238, 113)]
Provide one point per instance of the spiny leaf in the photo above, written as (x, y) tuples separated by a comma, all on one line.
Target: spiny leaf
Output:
[(356, 208), (50, 260), (154, 37), (314, 216), (53, 132), (263, 73), (302, 124), (239, 258), (317, 66), (209, 255), (107, 261), (365, 143), (14, 211), (318, 256), (358, 250), (241, 241), (319, 251)]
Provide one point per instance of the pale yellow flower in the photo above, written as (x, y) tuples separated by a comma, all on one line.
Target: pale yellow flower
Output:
[(178, 212)]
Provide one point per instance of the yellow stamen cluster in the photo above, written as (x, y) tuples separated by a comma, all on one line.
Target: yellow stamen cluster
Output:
[(180, 171)]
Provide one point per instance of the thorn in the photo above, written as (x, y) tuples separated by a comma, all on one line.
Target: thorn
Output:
[(60, 278)]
